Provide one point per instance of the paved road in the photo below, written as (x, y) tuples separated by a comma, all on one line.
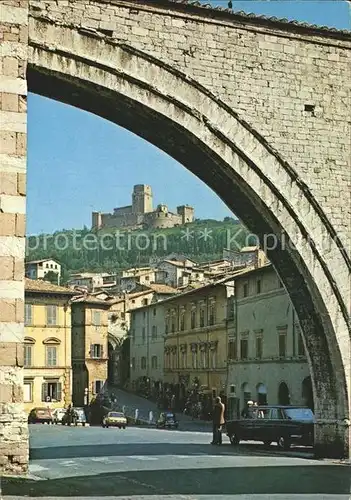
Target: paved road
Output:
[(139, 463)]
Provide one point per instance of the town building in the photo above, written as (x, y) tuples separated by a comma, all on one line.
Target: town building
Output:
[(89, 347), (195, 348), (147, 347), (39, 269), (92, 281), (141, 214), (47, 345), (119, 325), (266, 353)]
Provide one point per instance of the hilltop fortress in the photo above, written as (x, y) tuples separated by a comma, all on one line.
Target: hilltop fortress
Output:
[(141, 215)]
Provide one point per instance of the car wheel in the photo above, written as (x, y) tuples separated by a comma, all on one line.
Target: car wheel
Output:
[(283, 443), (267, 443), (234, 439), (124, 427)]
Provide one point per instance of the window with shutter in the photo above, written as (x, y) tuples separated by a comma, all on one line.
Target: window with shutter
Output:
[(51, 315), (51, 356), (59, 391), (28, 314), (27, 355), (44, 391)]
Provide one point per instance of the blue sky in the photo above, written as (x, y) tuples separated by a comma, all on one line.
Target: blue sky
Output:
[(72, 152)]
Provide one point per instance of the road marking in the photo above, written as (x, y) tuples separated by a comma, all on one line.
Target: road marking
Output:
[(99, 459), (36, 468), (68, 463), (142, 457)]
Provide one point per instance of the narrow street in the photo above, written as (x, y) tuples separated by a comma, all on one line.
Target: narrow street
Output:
[(91, 462)]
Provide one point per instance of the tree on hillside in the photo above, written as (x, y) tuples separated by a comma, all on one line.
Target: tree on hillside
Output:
[(52, 277)]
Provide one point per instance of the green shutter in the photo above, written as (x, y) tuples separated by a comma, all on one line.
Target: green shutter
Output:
[(59, 391), (44, 391)]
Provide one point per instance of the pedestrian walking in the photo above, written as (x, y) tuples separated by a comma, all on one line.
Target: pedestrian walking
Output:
[(218, 421)]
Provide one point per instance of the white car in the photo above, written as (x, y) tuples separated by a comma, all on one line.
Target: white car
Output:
[(58, 414)]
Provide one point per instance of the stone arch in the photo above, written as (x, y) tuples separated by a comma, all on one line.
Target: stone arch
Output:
[(262, 392), (283, 394), (175, 113), (307, 392)]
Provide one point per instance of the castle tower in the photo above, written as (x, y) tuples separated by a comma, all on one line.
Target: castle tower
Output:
[(186, 212), (96, 220), (142, 199)]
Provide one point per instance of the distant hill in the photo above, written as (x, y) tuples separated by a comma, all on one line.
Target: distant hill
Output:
[(109, 250)]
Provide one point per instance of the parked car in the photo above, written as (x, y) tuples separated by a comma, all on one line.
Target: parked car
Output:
[(58, 414), (40, 416), (114, 419), (167, 420), (79, 417), (284, 425)]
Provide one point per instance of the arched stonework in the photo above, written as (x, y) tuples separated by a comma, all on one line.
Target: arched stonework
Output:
[(257, 109), (175, 113)]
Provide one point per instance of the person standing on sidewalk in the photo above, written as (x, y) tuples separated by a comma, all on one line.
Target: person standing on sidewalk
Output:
[(218, 421)]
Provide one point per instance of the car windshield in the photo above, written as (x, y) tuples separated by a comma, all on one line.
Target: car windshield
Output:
[(170, 415), (299, 414), (115, 414)]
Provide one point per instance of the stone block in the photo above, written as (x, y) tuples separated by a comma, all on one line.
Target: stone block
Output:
[(8, 183), (11, 354), (5, 393), (11, 37), (21, 144), (6, 268), (11, 289), (12, 204), (14, 14), (13, 85), (9, 102), (13, 121), (8, 142), (12, 246), (8, 310), (18, 269), (20, 225), (11, 332), (7, 224), (21, 184)]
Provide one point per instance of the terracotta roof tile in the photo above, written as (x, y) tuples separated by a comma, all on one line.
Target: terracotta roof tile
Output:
[(256, 17), (41, 286), (161, 288)]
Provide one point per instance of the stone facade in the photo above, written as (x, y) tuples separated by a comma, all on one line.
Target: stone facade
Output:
[(257, 109), (13, 134), (141, 215)]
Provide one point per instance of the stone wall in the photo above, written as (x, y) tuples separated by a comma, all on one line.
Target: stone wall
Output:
[(13, 135)]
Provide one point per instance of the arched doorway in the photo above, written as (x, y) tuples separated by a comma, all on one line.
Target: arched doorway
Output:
[(283, 394), (307, 393), (192, 125), (261, 394)]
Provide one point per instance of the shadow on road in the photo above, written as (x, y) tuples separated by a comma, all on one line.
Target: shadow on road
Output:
[(319, 479), (125, 449)]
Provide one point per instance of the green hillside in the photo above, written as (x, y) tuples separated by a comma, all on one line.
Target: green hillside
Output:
[(109, 250)]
